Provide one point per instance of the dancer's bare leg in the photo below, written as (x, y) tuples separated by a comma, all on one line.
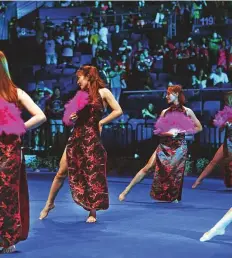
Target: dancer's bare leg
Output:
[(139, 176), (92, 217), (219, 228), (56, 186), (216, 159)]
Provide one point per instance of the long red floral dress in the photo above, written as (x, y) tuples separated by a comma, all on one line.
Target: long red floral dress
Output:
[(171, 155), (14, 201), (87, 158)]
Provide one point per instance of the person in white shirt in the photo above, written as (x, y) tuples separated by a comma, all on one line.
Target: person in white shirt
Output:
[(50, 50), (218, 76), (103, 33), (68, 46)]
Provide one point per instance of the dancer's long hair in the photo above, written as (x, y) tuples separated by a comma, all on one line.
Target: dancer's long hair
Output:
[(8, 89), (177, 89), (96, 83)]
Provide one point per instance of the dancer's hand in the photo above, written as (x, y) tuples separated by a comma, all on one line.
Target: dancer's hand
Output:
[(174, 132), (100, 126), (73, 117)]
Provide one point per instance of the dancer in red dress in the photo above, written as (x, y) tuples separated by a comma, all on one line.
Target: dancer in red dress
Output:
[(85, 157), (170, 156), (14, 202), (223, 119)]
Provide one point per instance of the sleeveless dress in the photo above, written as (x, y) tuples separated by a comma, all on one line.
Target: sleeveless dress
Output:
[(171, 155), (14, 200), (87, 158)]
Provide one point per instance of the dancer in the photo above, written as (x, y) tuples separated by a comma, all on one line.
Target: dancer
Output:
[(14, 203), (84, 157), (219, 228), (222, 119), (170, 156)]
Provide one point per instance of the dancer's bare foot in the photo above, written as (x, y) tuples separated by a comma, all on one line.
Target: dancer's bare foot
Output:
[(92, 217), (212, 233), (44, 213), (8, 250), (122, 196), (195, 185)]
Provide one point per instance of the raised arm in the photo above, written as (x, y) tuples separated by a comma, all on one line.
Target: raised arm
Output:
[(111, 101), (38, 116)]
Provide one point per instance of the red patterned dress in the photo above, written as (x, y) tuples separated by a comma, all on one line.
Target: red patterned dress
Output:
[(14, 201), (171, 156), (87, 158)]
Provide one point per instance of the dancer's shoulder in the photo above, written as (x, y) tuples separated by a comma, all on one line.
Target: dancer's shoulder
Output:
[(20, 92), (188, 110), (164, 111)]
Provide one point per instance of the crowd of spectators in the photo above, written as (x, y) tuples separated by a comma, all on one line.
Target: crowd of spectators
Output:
[(134, 54)]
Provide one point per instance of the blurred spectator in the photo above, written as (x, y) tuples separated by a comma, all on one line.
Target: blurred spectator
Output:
[(67, 48), (116, 39), (115, 81), (94, 40), (222, 55), (50, 50), (218, 77), (125, 49), (199, 81), (149, 112), (55, 110), (103, 33)]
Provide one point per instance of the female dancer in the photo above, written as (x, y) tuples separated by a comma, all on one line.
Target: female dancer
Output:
[(84, 157), (170, 156), (222, 119), (219, 228), (14, 203)]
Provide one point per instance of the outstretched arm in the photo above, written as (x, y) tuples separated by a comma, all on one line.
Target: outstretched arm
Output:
[(38, 116)]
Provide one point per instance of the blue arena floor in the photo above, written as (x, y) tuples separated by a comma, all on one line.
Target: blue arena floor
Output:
[(137, 228)]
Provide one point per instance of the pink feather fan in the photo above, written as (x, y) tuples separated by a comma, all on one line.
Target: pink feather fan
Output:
[(223, 116), (10, 119), (77, 103), (174, 120)]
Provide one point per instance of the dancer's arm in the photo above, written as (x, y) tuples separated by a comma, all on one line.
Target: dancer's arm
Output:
[(198, 126), (38, 116), (108, 97)]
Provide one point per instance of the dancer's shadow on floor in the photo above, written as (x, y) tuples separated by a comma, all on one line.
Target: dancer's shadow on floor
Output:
[(58, 233), (190, 234), (222, 240), (222, 191), (155, 205), (169, 206)]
